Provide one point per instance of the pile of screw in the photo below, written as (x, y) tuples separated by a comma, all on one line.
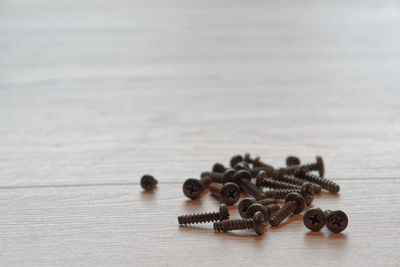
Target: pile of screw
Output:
[(264, 187)]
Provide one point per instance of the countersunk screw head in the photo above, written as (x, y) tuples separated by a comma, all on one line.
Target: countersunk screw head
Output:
[(229, 193), (244, 205), (235, 160), (336, 221), (314, 219), (218, 167), (292, 161), (193, 188), (148, 182), (307, 189), (298, 199), (257, 207), (259, 222), (227, 176)]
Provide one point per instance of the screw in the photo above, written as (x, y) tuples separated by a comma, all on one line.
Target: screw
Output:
[(193, 188), (294, 203), (235, 160), (216, 177), (245, 203), (255, 208), (256, 161), (242, 178), (306, 191), (242, 166), (222, 214), (323, 182), (256, 170), (148, 182), (218, 167), (229, 193), (227, 175), (292, 161), (314, 219), (336, 221), (317, 166), (281, 175), (275, 184), (257, 223)]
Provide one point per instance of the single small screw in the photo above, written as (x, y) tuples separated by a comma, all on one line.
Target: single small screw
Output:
[(148, 182), (323, 182), (317, 166), (306, 191), (218, 167), (242, 178), (216, 177), (314, 219), (228, 193), (220, 215), (245, 203), (294, 203), (256, 161), (274, 184), (292, 161), (336, 221), (193, 188), (235, 160), (257, 223)]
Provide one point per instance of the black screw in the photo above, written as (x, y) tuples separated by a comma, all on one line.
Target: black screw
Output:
[(228, 193), (314, 219), (218, 167), (235, 160), (220, 215), (245, 203), (256, 161), (193, 188), (148, 182), (336, 221), (227, 176), (306, 191), (292, 161), (323, 182), (294, 203), (266, 210), (242, 178), (257, 223), (281, 175), (274, 184), (216, 177)]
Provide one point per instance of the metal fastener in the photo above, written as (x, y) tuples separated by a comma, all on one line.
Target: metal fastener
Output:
[(255, 208), (294, 203), (274, 184), (193, 188), (242, 178), (148, 182), (216, 177), (222, 214), (336, 221), (235, 160), (256, 161), (314, 219), (245, 203), (257, 223), (218, 167), (292, 161), (306, 191), (228, 193), (323, 182)]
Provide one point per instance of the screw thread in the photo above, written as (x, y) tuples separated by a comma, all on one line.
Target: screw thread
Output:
[(281, 193), (216, 177), (280, 176), (275, 184), (267, 201), (272, 209), (233, 224), (323, 182), (199, 218), (252, 189), (282, 213)]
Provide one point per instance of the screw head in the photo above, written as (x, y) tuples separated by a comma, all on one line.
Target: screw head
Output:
[(229, 193), (218, 167), (224, 212), (244, 204), (260, 176), (292, 161), (193, 188), (239, 175), (336, 221), (314, 219), (320, 166), (235, 160), (242, 166), (148, 182), (257, 207), (296, 197), (227, 176), (259, 222), (307, 189)]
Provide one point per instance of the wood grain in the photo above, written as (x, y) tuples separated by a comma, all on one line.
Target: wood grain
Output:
[(94, 94)]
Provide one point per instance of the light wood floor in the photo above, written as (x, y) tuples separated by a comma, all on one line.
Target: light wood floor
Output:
[(93, 94)]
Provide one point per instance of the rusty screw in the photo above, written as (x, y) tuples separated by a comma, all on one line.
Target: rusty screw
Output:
[(242, 178), (257, 223), (336, 221), (222, 214), (228, 193), (245, 203), (294, 203), (314, 219), (148, 182)]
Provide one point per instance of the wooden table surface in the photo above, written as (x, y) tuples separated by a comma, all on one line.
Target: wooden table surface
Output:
[(93, 94)]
